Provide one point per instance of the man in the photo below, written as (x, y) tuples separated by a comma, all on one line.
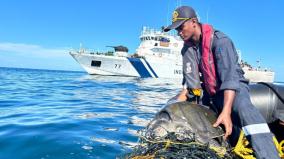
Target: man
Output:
[(212, 53)]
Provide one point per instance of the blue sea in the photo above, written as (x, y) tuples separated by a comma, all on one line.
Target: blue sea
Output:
[(48, 114)]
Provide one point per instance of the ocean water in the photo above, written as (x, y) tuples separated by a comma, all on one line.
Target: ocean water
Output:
[(71, 115)]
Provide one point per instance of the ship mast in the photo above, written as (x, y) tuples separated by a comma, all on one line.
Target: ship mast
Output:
[(258, 64)]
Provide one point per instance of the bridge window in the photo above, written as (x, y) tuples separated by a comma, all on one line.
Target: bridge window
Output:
[(161, 50), (96, 63), (164, 39)]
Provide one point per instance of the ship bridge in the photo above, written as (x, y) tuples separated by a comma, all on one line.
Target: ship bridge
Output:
[(158, 43)]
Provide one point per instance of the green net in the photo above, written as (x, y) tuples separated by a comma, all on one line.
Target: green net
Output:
[(173, 147)]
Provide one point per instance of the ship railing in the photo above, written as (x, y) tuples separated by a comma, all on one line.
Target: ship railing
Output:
[(148, 30), (92, 52)]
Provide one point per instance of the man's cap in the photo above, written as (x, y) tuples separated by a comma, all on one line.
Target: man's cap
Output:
[(180, 15)]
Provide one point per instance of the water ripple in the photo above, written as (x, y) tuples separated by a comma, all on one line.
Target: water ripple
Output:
[(59, 114)]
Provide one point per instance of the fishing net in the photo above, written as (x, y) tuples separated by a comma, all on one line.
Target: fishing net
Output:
[(175, 146)]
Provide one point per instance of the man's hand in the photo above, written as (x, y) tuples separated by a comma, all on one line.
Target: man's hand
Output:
[(225, 116), (225, 119), (182, 95)]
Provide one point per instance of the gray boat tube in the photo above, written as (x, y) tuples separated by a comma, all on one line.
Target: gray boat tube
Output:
[(269, 99)]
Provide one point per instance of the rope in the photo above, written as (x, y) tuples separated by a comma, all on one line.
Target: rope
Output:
[(241, 150), (280, 147), (247, 153)]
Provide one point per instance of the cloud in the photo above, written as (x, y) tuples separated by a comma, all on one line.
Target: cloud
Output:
[(33, 50), (35, 56)]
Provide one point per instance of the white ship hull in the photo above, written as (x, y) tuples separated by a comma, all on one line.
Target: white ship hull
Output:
[(128, 66), (259, 76)]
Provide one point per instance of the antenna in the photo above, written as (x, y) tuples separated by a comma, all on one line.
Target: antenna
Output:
[(198, 17), (178, 3), (168, 12), (258, 63), (207, 15), (239, 56)]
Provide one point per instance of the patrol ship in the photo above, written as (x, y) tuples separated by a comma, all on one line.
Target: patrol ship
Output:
[(157, 56)]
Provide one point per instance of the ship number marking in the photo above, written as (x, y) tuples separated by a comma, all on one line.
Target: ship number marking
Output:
[(178, 72), (117, 66)]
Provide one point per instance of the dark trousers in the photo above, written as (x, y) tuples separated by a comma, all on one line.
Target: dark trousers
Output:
[(245, 115)]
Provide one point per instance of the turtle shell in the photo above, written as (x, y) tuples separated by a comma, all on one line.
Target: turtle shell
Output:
[(186, 116)]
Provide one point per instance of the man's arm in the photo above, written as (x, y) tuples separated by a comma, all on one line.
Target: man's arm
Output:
[(229, 74), (225, 116)]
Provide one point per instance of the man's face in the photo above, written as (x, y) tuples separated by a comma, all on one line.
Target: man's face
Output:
[(186, 30)]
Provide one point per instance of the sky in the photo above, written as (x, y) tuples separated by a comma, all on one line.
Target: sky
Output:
[(40, 33)]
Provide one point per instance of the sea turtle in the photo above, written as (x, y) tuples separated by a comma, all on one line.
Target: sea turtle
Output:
[(185, 119)]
